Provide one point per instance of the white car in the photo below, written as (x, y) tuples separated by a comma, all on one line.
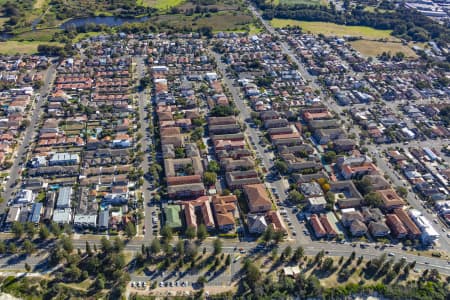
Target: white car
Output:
[(161, 284)]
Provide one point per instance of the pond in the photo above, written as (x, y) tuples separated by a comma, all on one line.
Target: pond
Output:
[(109, 21)]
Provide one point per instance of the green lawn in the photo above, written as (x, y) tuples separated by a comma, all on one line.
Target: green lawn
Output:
[(13, 47), (161, 4), (43, 35), (331, 29), (288, 2)]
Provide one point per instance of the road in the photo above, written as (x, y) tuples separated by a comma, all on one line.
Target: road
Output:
[(28, 137), (146, 141)]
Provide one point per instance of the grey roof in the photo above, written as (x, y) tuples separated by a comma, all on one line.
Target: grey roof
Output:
[(62, 215), (63, 200), (103, 219), (35, 214)]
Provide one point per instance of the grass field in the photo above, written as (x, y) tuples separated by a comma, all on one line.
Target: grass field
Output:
[(374, 48), (287, 2), (224, 21), (2, 22), (331, 29), (13, 47), (39, 4), (161, 4), (44, 35)]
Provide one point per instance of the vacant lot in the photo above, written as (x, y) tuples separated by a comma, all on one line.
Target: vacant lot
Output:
[(223, 21), (331, 29), (13, 47), (162, 4), (374, 48)]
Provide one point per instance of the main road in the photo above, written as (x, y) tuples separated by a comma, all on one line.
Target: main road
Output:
[(28, 137), (146, 141)]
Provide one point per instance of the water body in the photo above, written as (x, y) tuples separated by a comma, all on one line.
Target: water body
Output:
[(109, 21), (5, 36)]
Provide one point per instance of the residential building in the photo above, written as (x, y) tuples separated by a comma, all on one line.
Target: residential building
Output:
[(319, 230), (64, 159), (64, 198), (397, 229), (257, 198), (256, 223)]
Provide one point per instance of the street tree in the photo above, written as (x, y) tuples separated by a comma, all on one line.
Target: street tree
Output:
[(155, 247), (298, 254), (217, 244), (201, 232), (44, 233), (166, 233), (17, 229), (28, 246), (130, 230), (190, 232)]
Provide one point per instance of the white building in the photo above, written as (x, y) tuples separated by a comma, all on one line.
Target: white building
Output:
[(24, 197), (429, 234)]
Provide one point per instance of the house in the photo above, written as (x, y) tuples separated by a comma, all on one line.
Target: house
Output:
[(316, 204), (328, 226), (376, 182), (103, 220), (180, 180), (62, 216), (224, 208), (378, 229), (319, 230), (275, 123), (230, 164), (347, 194), (224, 129), (356, 166), (323, 136), (183, 166), (390, 199), (172, 215), (429, 234), (64, 159), (24, 197), (35, 214), (396, 226), (413, 231), (257, 198), (85, 220), (275, 221), (230, 120), (13, 215), (199, 209), (115, 199), (64, 195), (239, 179), (348, 217), (344, 145), (311, 189), (256, 223), (358, 228), (190, 190)]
